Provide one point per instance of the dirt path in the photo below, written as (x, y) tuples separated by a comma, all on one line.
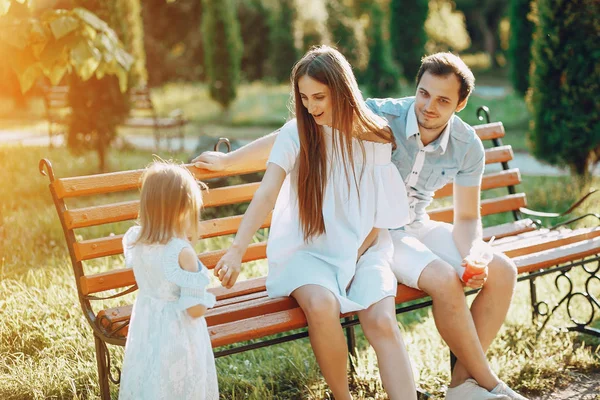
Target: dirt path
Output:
[(583, 387)]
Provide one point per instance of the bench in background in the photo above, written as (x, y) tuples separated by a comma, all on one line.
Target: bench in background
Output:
[(143, 115)]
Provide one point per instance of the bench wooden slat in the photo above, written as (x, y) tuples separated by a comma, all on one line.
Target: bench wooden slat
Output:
[(498, 154), (489, 181), (493, 130), (149, 122), (120, 278), (550, 240), (129, 180), (489, 206), (508, 229), (128, 210), (549, 258), (112, 245)]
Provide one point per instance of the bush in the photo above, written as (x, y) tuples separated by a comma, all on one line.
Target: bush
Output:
[(407, 34), (382, 75), (564, 91), (98, 107), (519, 47), (222, 49)]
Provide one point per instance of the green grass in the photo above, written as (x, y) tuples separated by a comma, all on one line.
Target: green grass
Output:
[(46, 346), (261, 108)]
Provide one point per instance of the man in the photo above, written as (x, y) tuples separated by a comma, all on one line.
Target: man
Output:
[(434, 147)]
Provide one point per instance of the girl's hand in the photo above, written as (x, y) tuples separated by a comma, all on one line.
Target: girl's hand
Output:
[(228, 268), (212, 161)]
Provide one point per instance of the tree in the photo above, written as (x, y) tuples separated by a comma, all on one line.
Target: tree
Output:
[(407, 34), (483, 21), (175, 51), (255, 31), (346, 34), (519, 48), (130, 28), (564, 93), (283, 52), (382, 75), (222, 49)]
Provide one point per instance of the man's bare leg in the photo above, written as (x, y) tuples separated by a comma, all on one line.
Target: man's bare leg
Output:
[(454, 320), (489, 308)]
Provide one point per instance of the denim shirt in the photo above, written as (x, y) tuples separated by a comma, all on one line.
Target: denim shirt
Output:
[(457, 155)]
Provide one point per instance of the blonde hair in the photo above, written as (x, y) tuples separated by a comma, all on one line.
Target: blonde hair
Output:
[(170, 197), (351, 119)]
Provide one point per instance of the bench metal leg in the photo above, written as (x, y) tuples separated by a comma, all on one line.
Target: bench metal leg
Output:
[(101, 356), (351, 340)]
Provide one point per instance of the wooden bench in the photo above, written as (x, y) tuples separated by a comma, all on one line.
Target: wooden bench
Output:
[(143, 115), (245, 312)]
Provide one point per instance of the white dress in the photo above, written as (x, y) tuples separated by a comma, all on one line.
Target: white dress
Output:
[(329, 260), (168, 354)]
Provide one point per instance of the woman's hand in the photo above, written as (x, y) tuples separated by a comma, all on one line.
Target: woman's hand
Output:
[(212, 161), (228, 268)]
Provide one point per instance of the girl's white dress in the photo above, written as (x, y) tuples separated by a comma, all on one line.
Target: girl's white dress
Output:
[(349, 213), (168, 354)]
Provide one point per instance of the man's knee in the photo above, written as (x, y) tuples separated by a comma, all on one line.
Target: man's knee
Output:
[(439, 279), (502, 271)]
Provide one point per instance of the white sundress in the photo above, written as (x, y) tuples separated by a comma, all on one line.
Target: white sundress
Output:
[(329, 260), (168, 354)]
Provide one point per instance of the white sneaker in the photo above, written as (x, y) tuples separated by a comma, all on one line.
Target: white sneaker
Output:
[(470, 390), (502, 388)]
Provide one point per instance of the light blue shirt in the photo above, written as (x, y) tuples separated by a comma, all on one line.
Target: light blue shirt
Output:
[(457, 154)]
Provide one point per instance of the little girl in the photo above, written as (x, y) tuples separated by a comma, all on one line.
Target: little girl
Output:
[(168, 354)]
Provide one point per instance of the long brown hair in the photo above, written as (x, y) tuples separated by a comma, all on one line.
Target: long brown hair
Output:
[(350, 119)]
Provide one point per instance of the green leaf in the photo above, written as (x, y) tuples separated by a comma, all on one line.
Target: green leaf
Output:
[(56, 74), (4, 7), (28, 76), (124, 58), (91, 19), (63, 25), (16, 34), (85, 59)]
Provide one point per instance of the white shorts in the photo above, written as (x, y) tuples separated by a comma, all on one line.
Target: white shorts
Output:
[(418, 244)]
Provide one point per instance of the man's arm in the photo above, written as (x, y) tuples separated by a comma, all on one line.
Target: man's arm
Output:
[(467, 218), (217, 161)]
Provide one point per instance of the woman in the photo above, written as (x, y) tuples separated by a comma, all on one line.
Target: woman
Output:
[(335, 193)]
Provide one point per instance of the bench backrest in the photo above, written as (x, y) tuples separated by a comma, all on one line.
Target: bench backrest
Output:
[(100, 209)]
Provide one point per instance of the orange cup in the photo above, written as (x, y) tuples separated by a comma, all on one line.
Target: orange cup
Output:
[(474, 267)]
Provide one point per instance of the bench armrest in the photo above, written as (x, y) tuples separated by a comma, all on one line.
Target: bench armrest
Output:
[(176, 113), (573, 207)]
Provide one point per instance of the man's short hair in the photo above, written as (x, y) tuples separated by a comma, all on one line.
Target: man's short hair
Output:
[(443, 64)]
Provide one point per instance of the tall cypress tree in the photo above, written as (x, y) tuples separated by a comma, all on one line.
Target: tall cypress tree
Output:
[(564, 95), (407, 34), (283, 49), (131, 33), (519, 47), (222, 49), (255, 31), (382, 75), (343, 30)]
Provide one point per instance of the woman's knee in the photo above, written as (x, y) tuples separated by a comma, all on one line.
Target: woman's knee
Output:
[(380, 324), (317, 303)]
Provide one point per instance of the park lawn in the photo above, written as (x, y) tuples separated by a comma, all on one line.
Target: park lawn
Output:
[(259, 109), (46, 347)]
